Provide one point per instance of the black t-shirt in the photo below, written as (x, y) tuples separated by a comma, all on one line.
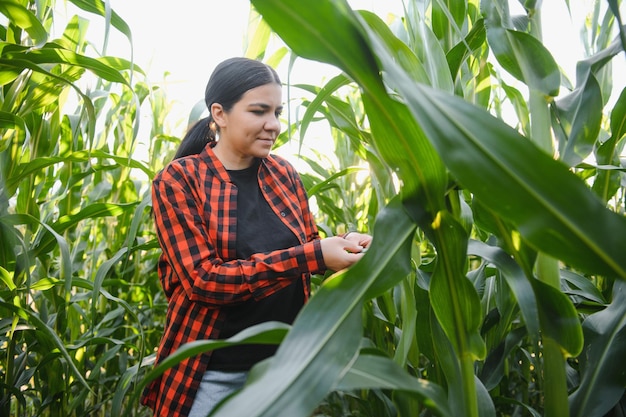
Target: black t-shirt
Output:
[(258, 230)]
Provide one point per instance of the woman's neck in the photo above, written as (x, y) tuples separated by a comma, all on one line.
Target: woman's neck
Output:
[(230, 161)]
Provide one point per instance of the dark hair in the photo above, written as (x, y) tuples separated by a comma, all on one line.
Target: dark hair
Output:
[(233, 77), (196, 138), (228, 83)]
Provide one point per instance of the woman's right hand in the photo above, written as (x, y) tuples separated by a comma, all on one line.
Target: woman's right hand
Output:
[(340, 253)]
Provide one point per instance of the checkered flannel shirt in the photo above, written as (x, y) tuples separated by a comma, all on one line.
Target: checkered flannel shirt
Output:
[(195, 209)]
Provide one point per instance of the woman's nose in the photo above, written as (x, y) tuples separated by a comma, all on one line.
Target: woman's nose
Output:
[(273, 123)]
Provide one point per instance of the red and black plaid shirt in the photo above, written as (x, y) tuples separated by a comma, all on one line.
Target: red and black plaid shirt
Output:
[(195, 208)]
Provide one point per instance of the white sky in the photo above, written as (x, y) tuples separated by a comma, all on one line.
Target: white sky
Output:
[(185, 38)]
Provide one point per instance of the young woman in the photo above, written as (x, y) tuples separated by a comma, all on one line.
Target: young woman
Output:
[(239, 241)]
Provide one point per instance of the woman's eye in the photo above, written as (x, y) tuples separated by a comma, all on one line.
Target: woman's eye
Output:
[(261, 112)]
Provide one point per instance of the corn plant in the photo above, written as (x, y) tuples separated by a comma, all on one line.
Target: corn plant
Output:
[(498, 267), (80, 305)]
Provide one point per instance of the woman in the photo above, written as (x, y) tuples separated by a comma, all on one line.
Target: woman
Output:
[(239, 241)]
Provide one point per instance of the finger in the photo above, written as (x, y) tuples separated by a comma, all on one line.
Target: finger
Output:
[(353, 257), (353, 247)]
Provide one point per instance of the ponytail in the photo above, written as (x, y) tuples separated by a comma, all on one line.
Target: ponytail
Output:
[(197, 137)]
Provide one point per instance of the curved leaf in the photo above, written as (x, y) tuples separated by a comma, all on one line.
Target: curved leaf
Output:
[(338, 41), (374, 371), (261, 33), (618, 117), (322, 185), (405, 56), (100, 8), (520, 53), (328, 356), (454, 298), (19, 65), (472, 42), (26, 219), (515, 279), (103, 270), (339, 114), (34, 166), (341, 43), (322, 95), (265, 333), (11, 121), (65, 222), (493, 369), (607, 181), (447, 16), (558, 318), (577, 118), (51, 54), (25, 19), (602, 362), (7, 279), (430, 52)]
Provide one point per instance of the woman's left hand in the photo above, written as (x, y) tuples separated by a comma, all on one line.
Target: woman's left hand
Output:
[(360, 239)]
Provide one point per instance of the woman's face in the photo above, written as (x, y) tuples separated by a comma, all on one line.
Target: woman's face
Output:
[(250, 128)]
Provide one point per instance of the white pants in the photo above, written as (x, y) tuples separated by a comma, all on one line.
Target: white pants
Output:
[(215, 386)]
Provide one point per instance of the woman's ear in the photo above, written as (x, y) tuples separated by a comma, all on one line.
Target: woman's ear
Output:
[(218, 114)]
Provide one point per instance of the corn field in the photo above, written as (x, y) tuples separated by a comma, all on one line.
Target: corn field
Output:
[(492, 182)]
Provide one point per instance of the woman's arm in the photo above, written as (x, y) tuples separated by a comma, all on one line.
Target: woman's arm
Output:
[(204, 275)]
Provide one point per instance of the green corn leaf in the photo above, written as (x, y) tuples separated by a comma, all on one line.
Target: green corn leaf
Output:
[(453, 297), (602, 365), (558, 318), (405, 56), (374, 371), (520, 53), (66, 267), (11, 121), (576, 119), (448, 15), (265, 333), (7, 279), (25, 19), (53, 54), (408, 312), (618, 117), (100, 8), (515, 279), (323, 94), (66, 222), (474, 40), (36, 165)]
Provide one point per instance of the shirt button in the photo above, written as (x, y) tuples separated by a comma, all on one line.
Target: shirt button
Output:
[(282, 213)]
